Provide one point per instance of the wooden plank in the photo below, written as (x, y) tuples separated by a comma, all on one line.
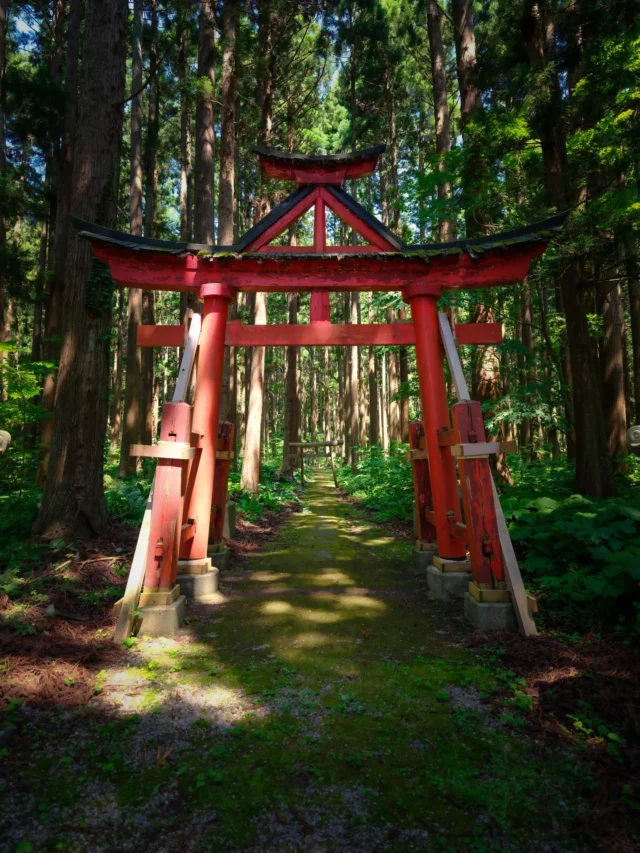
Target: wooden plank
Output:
[(512, 573), (136, 575), (478, 333), (164, 450), (457, 374), (188, 360), (478, 448), (315, 444)]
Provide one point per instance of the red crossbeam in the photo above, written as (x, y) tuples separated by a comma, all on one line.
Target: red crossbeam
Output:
[(319, 334)]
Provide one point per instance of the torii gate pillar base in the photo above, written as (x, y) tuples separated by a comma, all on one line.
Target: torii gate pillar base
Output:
[(197, 578), (445, 586), (160, 620), (490, 616)]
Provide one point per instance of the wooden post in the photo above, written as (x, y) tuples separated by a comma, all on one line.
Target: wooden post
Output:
[(206, 411), (477, 497), (220, 482), (333, 467), (166, 513), (435, 413), (421, 482)]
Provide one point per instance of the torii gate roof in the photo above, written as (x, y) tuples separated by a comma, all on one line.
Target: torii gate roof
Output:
[(385, 263)]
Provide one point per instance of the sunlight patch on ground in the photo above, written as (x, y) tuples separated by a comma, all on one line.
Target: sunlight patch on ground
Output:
[(275, 608), (355, 601)]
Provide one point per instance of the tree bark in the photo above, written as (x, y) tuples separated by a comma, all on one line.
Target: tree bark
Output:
[(134, 397), (528, 373), (354, 434), (227, 138), (441, 114), (118, 365), (51, 346), (205, 129), (73, 503), (612, 371), (3, 168), (374, 435)]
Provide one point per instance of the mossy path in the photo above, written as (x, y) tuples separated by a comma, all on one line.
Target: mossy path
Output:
[(321, 703)]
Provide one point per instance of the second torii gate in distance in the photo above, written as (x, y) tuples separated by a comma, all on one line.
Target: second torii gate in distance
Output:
[(460, 540)]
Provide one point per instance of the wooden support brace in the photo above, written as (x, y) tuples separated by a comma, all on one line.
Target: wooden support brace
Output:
[(164, 450), (421, 483), (224, 454)]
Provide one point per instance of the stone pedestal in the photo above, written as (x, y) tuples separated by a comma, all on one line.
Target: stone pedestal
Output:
[(444, 586), (219, 559), (229, 525), (423, 554), (490, 615), (162, 612), (197, 578)]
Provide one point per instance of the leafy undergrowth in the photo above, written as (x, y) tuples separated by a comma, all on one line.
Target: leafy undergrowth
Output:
[(323, 702), (382, 483)]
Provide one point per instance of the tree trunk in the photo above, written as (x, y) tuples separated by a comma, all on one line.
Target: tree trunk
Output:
[(354, 434), (292, 392), (394, 407), (186, 224), (633, 285), (205, 128), (134, 397), (3, 168), (116, 407), (51, 346), (73, 503), (374, 435), (250, 477), (384, 420), (227, 138), (150, 223), (441, 114), (470, 102), (594, 472), (612, 370), (528, 373)]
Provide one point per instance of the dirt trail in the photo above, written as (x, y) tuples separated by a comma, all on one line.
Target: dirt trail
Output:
[(320, 702)]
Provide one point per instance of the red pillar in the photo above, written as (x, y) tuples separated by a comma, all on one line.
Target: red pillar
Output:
[(435, 414), (206, 410)]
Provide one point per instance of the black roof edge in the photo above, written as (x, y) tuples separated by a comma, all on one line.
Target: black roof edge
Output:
[(276, 213), (345, 157), (551, 224), (355, 207), (121, 238)]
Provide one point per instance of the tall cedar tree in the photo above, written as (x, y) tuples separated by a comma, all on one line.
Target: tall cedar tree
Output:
[(73, 503)]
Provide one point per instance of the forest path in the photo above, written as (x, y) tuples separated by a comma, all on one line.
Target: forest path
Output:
[(322, 702)]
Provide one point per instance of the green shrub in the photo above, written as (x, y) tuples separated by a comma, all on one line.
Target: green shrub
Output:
[(583, 554), (382, 482)]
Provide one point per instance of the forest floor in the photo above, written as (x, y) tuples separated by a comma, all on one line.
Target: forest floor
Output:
[(320, 702)]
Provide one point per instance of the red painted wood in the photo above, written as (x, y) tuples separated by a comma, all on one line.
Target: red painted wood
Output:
[(206, 411), (435, 412), (421, 485), (355, 222), (159, 271), (319, 227), (318, 174), (320, 334), (477, 498), (320, 309), (168, 500), (220, 483), (284, 222), (160, 336), (479, 333)]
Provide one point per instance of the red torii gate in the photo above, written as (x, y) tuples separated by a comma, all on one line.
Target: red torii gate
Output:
[(383, 263)]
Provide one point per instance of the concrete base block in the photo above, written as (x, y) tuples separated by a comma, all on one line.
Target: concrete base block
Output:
[(492, 616), (444, 586), (229, 524), (163, 620), (421, 561), (198, 586), (220, 559), (194, 567)]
